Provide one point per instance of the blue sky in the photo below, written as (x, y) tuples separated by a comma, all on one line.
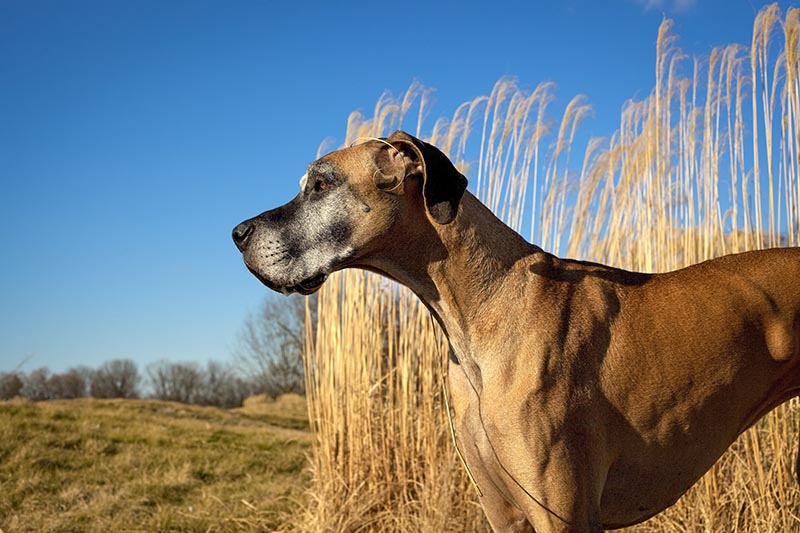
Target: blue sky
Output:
[(135, 135)]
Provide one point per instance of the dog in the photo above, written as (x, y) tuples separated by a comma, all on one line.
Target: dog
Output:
[(585, 397)]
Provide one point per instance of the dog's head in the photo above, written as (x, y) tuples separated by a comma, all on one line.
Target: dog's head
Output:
[(352, 204)]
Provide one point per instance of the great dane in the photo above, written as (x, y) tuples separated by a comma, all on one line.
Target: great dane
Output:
[(585, 396)]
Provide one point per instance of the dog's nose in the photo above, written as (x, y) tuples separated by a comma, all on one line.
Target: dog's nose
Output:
[(241, 234)]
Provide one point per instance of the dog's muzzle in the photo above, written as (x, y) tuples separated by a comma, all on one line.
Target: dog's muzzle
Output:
[(243, 237)]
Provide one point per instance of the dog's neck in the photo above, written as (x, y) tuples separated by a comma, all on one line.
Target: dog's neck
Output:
[(481, 252), (466, 263)]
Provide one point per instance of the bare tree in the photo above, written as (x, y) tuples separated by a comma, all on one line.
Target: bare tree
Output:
[(218, 384), (177, 382), (10, 385), (270, 344), (36, 385), (223, 387), (74, 383), (118, 378)]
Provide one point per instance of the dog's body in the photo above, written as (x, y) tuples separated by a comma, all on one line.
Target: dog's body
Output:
[(585, 396)]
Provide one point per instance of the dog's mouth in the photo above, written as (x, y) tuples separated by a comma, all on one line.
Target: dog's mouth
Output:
[(305, 287), (310, 285)]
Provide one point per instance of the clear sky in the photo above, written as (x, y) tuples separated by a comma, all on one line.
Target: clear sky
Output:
[(135, 134)]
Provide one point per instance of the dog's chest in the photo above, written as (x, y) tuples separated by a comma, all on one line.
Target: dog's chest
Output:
[(481, 440), (477, 449)]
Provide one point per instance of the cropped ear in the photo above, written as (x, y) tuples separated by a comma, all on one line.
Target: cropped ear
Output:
[(442, 185)]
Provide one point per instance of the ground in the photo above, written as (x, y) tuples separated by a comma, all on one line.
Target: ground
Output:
[(145, 465)]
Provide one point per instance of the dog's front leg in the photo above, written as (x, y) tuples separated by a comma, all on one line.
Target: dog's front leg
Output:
[(553, 472), (544, 523), (502, 515), (551, 516), (558, 498)]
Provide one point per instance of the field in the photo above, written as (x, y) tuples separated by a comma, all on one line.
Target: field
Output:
[(141, 465)]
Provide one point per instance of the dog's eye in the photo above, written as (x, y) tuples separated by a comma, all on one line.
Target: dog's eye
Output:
[(320, 186)]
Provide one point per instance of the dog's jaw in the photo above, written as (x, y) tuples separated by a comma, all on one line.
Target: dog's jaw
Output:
[(280, 277)]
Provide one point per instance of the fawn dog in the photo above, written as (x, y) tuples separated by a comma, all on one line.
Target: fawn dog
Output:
[(585, 396)]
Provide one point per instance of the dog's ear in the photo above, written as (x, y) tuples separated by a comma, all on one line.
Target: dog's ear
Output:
[(442, 184), (393, 164)]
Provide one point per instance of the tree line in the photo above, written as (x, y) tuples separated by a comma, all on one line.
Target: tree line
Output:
[(213, 384), (267, 359)]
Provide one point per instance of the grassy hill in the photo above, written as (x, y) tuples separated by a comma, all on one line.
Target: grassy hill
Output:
[(143, 465)]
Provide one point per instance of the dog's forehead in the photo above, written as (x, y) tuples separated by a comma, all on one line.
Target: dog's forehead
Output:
[(322, 167), (343, 163)]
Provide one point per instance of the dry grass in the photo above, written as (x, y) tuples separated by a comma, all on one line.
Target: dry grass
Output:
[(287, 410), (706, 165), (135, 465)]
